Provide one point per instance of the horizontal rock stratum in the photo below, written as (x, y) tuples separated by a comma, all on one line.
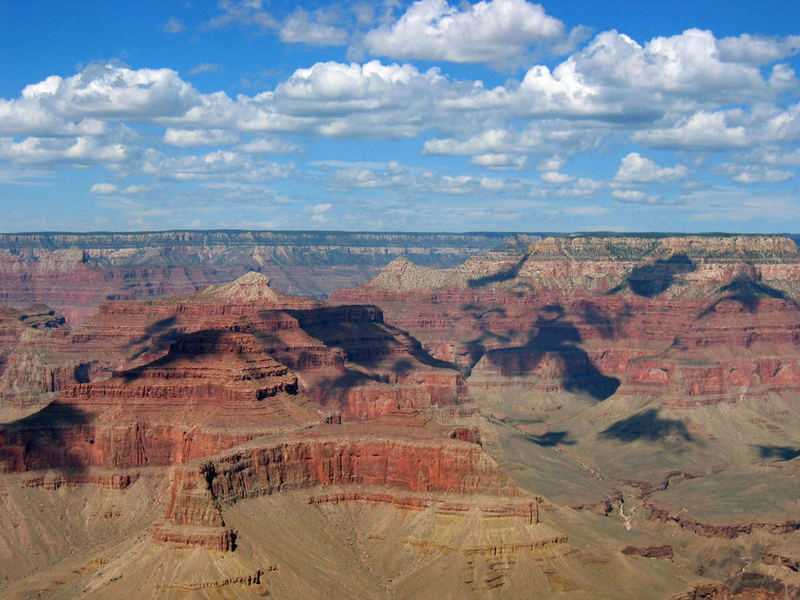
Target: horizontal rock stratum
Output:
[(576, 416)]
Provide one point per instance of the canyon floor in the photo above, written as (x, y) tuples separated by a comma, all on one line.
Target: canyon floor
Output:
[(558, 417)]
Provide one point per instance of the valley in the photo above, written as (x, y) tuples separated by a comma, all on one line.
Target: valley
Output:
[(450, 416)]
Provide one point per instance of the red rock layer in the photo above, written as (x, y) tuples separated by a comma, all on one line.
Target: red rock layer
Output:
[(74, 273), (691, 320), (422, 463)]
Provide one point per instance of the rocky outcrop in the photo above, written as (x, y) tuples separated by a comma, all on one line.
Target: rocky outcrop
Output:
[(662, 551), (782, 560), (375, 469), (727, 531)]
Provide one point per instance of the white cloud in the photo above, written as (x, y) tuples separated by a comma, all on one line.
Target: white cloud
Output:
[(636, 168), (191, 138), (395, 176), (757, 49), (80, 151), (727, 129), (554, 163), (220, 165), (103, 188), (555, 177), (754, 173), (321, 208), (541, 137), (268, 146), (27, 116), (628, 195), (493, 31), (109, 91), (300, 27), (137, 189), (616, 79), (499, 160)]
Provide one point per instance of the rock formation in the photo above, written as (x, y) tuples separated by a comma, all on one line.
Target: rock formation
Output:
[(422, 435), (74, 273)]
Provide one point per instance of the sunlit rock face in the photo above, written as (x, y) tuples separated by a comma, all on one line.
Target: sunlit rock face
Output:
[(75, 273)]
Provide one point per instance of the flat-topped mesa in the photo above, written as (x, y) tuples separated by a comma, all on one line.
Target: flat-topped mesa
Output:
[(212, 367), (383, 468), (590, 263), (769, 248)]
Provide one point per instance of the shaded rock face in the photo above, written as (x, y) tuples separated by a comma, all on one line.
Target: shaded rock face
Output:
[(193, 376)]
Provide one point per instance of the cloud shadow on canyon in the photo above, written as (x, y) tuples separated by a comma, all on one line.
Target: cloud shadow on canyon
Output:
[(748, 292), (778, 453), (556, 338), (157, 335), (41, 440), (647, 426), (652, 279), (499, 277), (550, 439)]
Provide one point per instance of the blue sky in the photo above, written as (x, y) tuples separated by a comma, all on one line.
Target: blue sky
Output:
[(500, 115)]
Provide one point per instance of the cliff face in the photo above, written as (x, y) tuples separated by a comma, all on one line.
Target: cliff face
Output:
[(662, 314), (74, 273), (179, 378), (633, 358)]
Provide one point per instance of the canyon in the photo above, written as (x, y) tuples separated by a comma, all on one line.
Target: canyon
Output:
[(463, 416)]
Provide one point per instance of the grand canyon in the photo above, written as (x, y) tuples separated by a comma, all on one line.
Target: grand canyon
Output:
[(332, 415)]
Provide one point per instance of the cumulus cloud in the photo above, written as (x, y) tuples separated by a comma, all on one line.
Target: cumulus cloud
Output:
[(754, 173), (302, 27), (268, 146), (727, 129), (628, 195), (321, 208), (103, 188), (111, 91), (556, 178), (80, 151), (493, 31), (636, 168), (757, 49), (219, 165), (364, 100), (542, 137), (191, 138), (499, 160), (616, 79), (397, 177)]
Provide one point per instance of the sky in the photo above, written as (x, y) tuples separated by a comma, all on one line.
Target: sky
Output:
[(435, 115)]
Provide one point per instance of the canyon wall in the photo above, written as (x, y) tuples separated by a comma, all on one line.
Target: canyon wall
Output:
[(74, 273)]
